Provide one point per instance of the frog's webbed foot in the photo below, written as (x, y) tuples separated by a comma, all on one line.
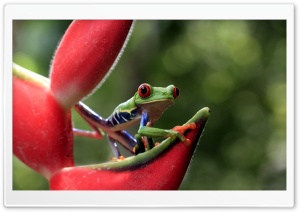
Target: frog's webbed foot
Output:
[(181, 130)]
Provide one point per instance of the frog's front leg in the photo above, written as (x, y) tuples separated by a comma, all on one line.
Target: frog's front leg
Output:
[(151, 132), (143, 143)]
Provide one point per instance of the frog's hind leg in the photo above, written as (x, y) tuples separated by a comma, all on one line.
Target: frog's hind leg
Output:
[(93, 119), (114, 146), (96, 134), (125, 139), (98, 124)]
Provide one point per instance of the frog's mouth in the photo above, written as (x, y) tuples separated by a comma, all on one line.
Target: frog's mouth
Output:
[(156, 108)]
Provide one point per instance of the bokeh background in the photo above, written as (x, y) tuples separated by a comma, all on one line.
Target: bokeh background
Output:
[(237, 68)]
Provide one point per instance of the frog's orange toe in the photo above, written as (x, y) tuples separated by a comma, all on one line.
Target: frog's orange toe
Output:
[(192, 126), (187, 142), (183, 128)]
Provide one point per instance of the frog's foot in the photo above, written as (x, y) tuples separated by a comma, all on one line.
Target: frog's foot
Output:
[(117, 159), (182, 129)]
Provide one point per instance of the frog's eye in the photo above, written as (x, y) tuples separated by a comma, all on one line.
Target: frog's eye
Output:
[(175, 92), (144, 90)]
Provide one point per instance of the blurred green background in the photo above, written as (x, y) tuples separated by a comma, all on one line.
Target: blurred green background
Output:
[(237, 68)]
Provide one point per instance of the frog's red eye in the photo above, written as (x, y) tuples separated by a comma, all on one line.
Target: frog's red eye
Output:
[(144, 90), (175, 92)]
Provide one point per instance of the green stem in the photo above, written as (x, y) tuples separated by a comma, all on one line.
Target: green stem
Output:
[(28, 75)]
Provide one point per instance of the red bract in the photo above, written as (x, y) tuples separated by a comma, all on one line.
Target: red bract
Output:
[(42, 131), (161, 168), (84, 56)]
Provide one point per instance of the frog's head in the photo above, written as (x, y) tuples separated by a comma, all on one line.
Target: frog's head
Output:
[(155, 100)]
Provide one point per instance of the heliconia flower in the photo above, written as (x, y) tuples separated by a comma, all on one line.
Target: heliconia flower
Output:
[(161, 168), (42, 129), (85, 54)]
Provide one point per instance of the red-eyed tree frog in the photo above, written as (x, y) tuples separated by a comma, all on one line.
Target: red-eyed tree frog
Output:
[(145, 107)]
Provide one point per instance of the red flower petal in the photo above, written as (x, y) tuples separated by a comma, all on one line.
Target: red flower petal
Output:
[(161, 168), (84, 56)]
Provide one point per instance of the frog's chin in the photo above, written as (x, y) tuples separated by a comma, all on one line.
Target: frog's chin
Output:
[(156, 108)]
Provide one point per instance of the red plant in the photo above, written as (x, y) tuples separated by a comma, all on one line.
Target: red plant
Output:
[(42, 129)]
